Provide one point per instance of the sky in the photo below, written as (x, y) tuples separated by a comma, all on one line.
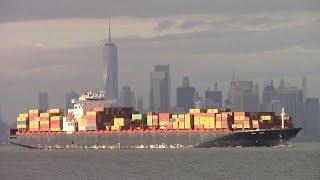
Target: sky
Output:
[(56, 46)]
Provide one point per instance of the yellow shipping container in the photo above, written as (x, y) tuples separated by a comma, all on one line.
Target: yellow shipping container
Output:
[(191, 111), (44, 122), (20, 126), (247, 126), (82, 128), (212, 110), (55, 111), (234, 126), (197, 121), (187, 116), (82, 122), (239, 118), (120, 122), (175, 125), (115, 128), (56, 118), (34, 111), (24, 115), (34, 124), (240, 126), (187, 125), (181, 125), (175, 116), (181, 116), (22, 118), (163, 123), (255, 122), (44, 115), (91, 113), (266, 118), (55, 129)]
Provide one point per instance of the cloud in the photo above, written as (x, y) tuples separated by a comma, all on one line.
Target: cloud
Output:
[(192, 24), (39, 45), (164, 25)]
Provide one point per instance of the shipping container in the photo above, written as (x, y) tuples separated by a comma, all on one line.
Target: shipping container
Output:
[(136, 116)]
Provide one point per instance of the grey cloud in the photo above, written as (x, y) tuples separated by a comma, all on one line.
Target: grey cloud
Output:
[(14, 10), (164, 25), (191, 24)]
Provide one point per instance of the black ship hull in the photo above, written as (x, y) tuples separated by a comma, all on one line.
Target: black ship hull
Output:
[(157, 139)]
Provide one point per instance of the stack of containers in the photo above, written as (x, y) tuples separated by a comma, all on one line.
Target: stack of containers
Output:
[(255, 124), (213, 111), (188, 121), (175, 121), (23, 122), (181, 121), (226, 120), (56, 123), (120, 124), (164, 120), (267, 119), (34, 120), (44, 122), (241, 120), (138, 120), (68, 123), (95, 120), (155, 120), (204, 121), (149, 119), (193, 111), (82, 124)]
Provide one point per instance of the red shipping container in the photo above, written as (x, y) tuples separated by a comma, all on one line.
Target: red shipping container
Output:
[(155, 122), (241, 113), (164, 116), (198, 126), (44, 125), (44, 129), (33, 129), (169, 125)]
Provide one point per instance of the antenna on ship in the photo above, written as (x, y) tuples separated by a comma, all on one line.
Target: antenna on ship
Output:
[(282, 118)]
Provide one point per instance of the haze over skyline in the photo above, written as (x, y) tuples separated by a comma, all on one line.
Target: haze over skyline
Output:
[(56, 46)]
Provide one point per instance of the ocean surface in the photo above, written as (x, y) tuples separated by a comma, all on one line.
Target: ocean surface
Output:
[(295, 161)]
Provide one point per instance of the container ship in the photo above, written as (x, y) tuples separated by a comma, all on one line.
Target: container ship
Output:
[(94, 124)]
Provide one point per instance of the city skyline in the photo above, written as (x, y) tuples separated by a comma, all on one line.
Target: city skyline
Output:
[(206, 42)]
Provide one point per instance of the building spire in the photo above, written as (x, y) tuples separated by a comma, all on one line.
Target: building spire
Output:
[(109, 33)]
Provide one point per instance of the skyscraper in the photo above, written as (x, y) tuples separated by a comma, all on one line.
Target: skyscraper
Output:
[(268, 96), (160, 89), (43, 100), (243, 96), (213, 98), (185, 95), (110, 61), (311, 118), (291, 98), (140, 103), (304, 86), (127, 97), (68, 101)]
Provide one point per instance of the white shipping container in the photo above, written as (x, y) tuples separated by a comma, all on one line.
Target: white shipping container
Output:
[(68, 126)]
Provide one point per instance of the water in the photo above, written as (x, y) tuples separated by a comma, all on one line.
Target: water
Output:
[(298, 161)]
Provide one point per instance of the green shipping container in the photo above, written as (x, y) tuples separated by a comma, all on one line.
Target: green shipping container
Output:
[(136, 116), (149, 120)]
